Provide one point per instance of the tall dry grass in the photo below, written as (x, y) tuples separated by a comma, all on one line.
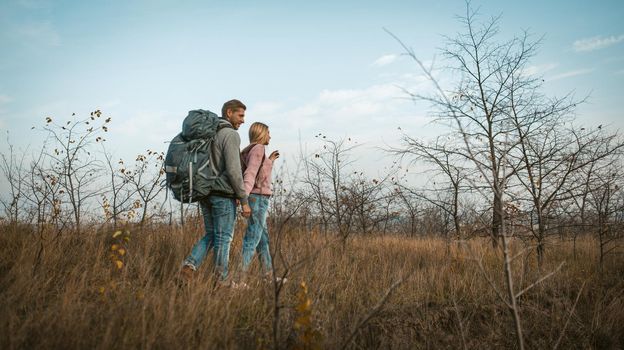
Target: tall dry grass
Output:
[(77, 297)]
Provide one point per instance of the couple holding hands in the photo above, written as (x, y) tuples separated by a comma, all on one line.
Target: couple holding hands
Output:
[(248, 174)]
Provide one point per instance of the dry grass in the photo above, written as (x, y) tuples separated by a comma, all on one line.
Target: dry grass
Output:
[(78, 298)]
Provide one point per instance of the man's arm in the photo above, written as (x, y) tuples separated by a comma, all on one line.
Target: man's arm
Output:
[(233, 169)]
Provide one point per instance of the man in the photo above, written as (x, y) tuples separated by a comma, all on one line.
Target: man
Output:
[(219, 210)]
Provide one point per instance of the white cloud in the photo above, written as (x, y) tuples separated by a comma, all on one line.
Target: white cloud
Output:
[(110, 104), (369, 116), (372, 112), (39, 34), (540, 68), (414, 77), (265, 108), (4, 99), (337, 96), (34, 4), (571, 74), (154, 126), (345, 106), (596, 43), (385, 60)]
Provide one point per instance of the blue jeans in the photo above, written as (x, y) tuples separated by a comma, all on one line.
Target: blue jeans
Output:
[(257, 234), (219, 216)]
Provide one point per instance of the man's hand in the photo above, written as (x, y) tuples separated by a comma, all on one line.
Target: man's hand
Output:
[(246, 210), (274, 155)]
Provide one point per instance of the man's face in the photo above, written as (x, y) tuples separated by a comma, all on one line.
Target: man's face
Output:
[(236, 117)]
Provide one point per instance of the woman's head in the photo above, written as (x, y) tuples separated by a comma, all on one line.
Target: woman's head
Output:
[(259, 133)]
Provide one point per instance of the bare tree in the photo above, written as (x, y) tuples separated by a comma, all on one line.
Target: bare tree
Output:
[(608, 200), (411, 203), (325, 176), (43, 200), (479, 105), (120, 193), (43, 194), (448, 178), (73, 162), (479, 109), (12, 168), (146, 179), (552, 155), (367, 201)]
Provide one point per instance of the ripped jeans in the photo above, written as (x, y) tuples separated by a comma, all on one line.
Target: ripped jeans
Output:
[(219, 217), (257, 235)]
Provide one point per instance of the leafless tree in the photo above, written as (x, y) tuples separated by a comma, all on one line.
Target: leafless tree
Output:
[(448, 178), (146, 179), (72, 161), (367, 201), (479, 109), (411, 205), (479, 105), (12, 167), (43, 194), (553, 153), (325, 176), (119, 199), (608, 200), (43, 198)]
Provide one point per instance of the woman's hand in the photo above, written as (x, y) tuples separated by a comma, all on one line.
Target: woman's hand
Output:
[(246, 210), (274, 155)]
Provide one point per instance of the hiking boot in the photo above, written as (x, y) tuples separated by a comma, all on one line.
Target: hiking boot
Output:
[(279, 280), (238, 285), (187, 273)]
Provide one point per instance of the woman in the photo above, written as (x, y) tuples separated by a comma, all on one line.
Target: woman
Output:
[(257, 180)]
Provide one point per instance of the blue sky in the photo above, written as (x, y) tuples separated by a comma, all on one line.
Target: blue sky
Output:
[(302, 67)]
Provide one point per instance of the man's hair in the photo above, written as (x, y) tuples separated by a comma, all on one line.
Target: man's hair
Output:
[(258, 133), (231, 104)]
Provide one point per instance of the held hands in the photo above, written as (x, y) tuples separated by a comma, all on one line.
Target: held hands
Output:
[(274, 155), (246, 210)]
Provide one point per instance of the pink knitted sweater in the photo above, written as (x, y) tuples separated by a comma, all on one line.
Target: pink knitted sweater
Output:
[(254, 182)]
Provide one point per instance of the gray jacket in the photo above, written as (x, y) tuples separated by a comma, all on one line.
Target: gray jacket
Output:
[(226, 160)]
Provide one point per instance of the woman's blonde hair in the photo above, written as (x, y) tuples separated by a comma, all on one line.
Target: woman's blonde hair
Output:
[(258, 133)]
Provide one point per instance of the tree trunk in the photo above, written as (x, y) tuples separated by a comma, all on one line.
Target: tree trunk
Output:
[(497, 220), (541, 233)]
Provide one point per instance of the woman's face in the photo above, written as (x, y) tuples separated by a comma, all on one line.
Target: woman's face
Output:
[(268, 137)]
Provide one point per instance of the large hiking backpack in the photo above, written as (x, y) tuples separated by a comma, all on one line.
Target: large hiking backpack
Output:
[(190, 173)]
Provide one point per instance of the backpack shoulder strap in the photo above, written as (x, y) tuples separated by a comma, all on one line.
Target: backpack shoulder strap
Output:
[(224, 126)]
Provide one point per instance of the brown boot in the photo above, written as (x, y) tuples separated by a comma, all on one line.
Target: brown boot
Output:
[(186, 274)]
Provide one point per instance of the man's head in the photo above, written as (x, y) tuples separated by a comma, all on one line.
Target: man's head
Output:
[(234, 112)]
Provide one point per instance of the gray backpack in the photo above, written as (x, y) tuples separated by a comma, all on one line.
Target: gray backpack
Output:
[(190, 173)]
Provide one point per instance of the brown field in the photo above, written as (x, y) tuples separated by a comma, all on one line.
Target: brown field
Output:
[(75, 296)]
